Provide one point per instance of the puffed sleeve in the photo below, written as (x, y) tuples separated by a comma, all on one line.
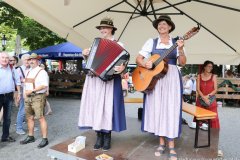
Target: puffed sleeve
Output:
[(147, 48)]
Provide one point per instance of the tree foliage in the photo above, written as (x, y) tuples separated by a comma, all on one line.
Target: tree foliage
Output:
[(34, 34), (11, 36)]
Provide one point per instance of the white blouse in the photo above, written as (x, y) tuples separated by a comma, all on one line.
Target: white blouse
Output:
[(148, 46)]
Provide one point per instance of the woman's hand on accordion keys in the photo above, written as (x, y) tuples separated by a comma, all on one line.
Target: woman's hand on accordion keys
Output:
[(119, 69)]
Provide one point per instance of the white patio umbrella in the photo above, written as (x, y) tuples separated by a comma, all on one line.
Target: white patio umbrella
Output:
[(75, 20)]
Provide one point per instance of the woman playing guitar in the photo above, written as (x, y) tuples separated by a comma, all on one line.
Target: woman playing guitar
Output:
[(162, 105)]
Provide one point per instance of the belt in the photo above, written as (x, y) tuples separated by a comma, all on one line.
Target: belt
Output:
[(35, 94), (7, 94)]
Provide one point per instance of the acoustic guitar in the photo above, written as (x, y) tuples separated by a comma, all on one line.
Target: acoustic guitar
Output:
[(145, 79)]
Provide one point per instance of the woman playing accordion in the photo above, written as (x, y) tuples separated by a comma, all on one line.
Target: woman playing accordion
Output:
[(102, 103)]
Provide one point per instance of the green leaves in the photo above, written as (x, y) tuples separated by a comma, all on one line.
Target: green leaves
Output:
[(34, 35)]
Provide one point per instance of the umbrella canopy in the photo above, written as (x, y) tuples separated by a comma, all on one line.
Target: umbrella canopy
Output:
[(218, 39), (65, 51)]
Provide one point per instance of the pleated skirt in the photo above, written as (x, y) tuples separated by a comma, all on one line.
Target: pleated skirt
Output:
[(102, 105), (162, 111)]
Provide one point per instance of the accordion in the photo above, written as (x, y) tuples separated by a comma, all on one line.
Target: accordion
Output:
[(104, 56)]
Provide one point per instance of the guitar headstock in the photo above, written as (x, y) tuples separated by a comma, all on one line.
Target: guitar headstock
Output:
[(191, 33)]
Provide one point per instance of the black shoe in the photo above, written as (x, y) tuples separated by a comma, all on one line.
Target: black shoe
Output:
[(106, 141), (9, 139), (43, 143), (99, 141), (27, 140)]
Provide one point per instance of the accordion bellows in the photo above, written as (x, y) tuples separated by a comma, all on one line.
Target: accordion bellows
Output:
[(103, 56)]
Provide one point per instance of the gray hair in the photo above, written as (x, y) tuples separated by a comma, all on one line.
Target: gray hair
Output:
[(25, 56), (3, 52)]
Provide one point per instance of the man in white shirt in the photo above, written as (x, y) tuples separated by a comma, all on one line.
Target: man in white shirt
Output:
[(187, 89), (36, 84), (187, 85)]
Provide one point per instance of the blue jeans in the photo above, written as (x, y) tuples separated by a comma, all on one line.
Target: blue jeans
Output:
[(21, 114), (6, 101)]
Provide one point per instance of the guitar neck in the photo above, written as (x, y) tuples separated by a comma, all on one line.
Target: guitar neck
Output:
[(165, 54), (188, 35)]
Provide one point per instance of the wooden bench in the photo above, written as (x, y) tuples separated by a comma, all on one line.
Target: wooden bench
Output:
[(70, 90), (199, 113), (64, 88), (133, 100), (226, 92), (70, 83)]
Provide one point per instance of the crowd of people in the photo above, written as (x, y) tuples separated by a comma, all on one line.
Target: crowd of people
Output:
[(25, 87)]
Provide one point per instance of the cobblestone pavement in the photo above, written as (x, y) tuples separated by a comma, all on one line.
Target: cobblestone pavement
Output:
[(62, 125)]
